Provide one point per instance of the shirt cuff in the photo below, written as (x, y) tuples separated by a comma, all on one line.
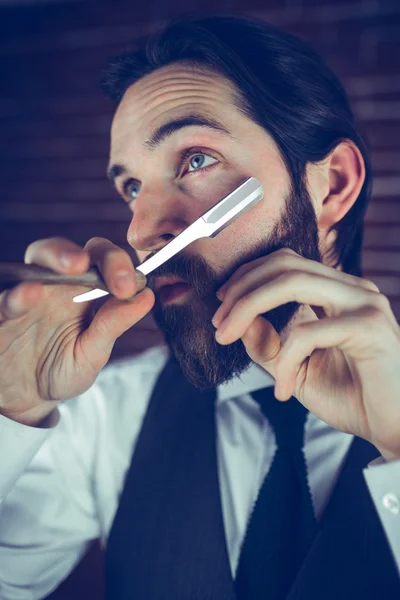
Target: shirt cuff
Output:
[(383, 481), (18, 445)]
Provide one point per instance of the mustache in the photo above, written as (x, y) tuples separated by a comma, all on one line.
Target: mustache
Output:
[(198, 272), (193, 269)]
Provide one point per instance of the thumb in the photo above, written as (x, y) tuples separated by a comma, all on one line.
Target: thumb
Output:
[(262, 343), (111, 321)]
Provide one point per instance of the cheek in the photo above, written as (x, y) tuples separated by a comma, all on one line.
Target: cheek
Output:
[(235, 241), (206, 189), (265, 164), (259, 222), (247, 231)]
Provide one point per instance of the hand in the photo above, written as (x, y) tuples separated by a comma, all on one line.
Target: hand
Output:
[(51, 348), (342, 362)]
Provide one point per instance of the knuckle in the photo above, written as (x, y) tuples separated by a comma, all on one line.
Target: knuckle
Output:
[(57, 239), (288, 251), (111, 252), (52, 245), (108, 255), (32, 249), (117, 259), (94, 241), (239, 272), (102, 325), (371, 313), (233, 289), (242, 302), (293, 276), (95, 245), (285, 258), (382, 301), (371, 285), (295, 337), (285, 262)]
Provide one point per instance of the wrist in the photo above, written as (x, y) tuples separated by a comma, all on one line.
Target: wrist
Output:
[(388, 455), (41, 416)]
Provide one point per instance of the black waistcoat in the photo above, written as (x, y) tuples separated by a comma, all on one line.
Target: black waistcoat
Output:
[(167, 540)]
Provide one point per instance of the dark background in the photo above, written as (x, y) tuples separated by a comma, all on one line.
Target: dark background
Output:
[(54, 129)]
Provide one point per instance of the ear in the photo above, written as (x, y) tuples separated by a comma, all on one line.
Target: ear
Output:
[(344, 177)]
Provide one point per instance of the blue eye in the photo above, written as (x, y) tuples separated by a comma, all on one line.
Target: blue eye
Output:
[(132, 190), (199, 161)]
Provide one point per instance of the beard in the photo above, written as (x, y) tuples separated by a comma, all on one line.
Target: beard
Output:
[(187, 327)]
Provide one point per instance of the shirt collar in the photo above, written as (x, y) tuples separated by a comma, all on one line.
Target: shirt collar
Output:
[(251, 380)]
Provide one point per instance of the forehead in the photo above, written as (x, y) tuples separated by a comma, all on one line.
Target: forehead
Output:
[(171, 91)]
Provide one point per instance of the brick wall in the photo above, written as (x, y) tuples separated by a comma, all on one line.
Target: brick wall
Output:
[(54, 122)]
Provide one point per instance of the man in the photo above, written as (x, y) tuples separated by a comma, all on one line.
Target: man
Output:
[(135, 459)]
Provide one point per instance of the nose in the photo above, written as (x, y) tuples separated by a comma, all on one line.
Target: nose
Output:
[(159, 216)]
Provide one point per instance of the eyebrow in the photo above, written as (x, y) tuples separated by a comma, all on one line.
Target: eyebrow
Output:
[(166, 130)]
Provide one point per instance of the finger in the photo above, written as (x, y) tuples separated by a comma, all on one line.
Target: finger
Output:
[(112, 320), (262, 343), (58, 254), (250, 275), (285, 259), (352, 332), (16, 302), (115, 266), (294, 286)]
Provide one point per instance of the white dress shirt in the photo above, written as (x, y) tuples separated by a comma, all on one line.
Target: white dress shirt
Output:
[(60, 486)]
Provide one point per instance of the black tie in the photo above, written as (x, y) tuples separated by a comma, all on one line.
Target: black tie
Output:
[(282, 525)]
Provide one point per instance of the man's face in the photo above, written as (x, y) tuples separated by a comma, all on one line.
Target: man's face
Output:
[(171, 178)]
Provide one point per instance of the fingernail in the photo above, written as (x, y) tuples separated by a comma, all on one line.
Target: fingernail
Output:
[(221, 328), (123, 280), (221, 292), (216, 318)]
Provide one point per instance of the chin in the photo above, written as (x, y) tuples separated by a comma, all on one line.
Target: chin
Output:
[(190, 336)]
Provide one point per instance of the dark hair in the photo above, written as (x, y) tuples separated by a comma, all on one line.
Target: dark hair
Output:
[(284, 86)]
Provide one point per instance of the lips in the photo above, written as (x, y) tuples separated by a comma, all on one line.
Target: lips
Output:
[(161, 282), (170, 289)]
